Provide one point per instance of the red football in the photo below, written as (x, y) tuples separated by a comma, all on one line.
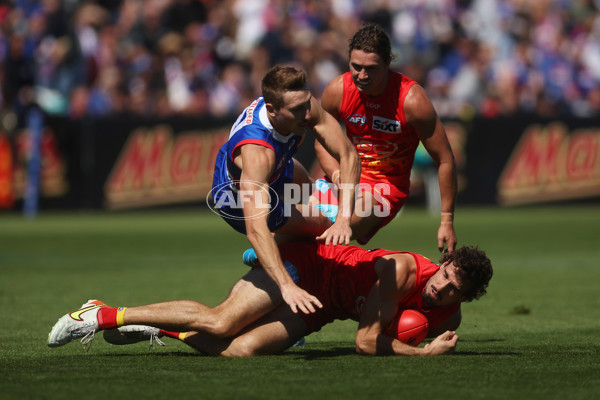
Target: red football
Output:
[(409, 327)]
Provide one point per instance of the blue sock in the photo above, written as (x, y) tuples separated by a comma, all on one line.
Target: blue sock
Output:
[(329, 210), (250, 258)]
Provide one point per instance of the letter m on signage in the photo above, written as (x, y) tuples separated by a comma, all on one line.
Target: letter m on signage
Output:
[(141, 163), (550, 163)]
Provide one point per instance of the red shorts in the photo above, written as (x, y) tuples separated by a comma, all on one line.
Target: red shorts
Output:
[(389, 198), (332, 274), (310, 269)]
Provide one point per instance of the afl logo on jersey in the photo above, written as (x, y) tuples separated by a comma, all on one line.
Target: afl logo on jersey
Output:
[(386, 125), (357, 119)]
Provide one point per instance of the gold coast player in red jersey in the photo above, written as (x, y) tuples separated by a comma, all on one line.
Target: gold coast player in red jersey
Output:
[(368, 286), (386, 114)]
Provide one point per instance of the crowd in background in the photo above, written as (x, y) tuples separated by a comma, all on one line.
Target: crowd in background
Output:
[(207, 57)]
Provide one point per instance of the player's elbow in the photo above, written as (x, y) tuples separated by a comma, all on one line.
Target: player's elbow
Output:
[(251, 234), (363, 347), (350, 162), (351, 155), (360, 349)]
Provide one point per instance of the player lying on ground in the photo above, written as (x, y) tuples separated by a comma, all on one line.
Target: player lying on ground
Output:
[(369, 286)]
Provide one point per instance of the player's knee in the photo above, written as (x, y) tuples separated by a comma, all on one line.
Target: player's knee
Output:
[(215, 328), (212, 324), (243, 346), (220, 328)]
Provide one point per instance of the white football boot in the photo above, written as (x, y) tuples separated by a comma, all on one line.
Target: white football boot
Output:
[(129, 334), (82, 323)]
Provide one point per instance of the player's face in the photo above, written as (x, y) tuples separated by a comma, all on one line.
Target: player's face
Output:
[(369, 72), (444, 287), (294, 115)]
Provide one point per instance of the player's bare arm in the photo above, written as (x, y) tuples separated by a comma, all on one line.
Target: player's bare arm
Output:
[(421, 114), (329, 133), (331, 102), (396, 280), (257, 163)]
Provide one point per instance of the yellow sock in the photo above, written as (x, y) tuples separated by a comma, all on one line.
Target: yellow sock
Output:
[(121, 316)]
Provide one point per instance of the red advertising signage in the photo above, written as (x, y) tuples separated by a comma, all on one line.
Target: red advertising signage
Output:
[(7, 195), (549, 163), (157, 167)]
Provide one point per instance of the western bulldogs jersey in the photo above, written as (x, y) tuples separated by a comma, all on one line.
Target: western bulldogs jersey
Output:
[(253, 127)]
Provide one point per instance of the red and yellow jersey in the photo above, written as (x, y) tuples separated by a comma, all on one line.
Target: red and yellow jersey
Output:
[(341, 277), (377, 127)]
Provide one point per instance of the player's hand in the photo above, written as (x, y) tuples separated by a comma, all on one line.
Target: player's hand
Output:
[(446, 236), (443, 344), (299, 299), (338, 233)]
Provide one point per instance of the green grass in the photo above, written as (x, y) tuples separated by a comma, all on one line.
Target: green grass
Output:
[(545, 260)]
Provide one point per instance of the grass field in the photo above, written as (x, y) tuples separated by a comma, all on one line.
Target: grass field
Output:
[(535, 335)]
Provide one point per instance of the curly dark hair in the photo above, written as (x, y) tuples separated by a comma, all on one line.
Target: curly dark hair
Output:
[(371, 38), (281, 79), (473, 266)]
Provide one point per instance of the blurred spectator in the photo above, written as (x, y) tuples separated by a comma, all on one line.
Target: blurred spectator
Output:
[(206, 57)]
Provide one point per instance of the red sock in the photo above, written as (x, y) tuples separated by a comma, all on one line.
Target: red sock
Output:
[(107, 317), (174, 335)]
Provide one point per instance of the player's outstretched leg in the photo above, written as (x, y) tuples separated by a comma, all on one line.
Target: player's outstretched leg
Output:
[(81, 323)]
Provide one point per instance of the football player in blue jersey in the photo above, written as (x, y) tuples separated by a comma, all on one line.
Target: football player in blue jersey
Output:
[(255, 168)]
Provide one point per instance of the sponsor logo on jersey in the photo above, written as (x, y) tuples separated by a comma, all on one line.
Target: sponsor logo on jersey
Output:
[(386, 125), (357, 119), (250, 112), (373, 106), (368, 149)]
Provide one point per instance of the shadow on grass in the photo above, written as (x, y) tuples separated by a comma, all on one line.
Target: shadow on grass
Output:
[(486, 353), (157, 354), (318, 353), (309, 354), (343, 352)]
